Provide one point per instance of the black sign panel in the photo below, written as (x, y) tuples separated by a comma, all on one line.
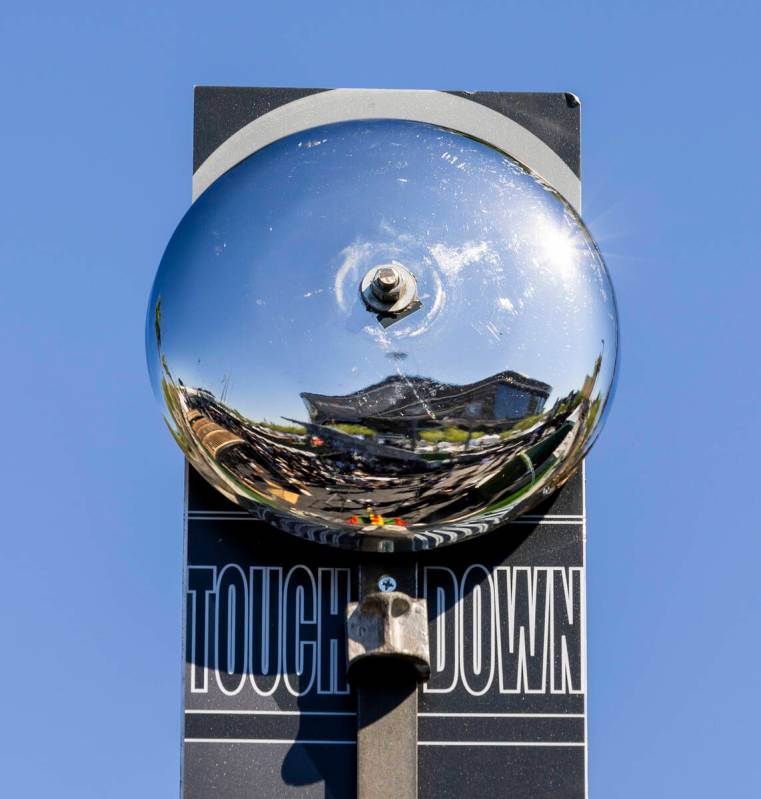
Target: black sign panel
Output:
[(268, 710)]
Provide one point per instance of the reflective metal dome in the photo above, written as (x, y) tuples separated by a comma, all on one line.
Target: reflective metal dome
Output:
[(341, 413)]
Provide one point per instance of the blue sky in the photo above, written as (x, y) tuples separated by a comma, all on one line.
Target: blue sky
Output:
[(96, 143)]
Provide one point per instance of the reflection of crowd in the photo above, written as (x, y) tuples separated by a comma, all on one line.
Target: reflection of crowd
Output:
[(327, 472)]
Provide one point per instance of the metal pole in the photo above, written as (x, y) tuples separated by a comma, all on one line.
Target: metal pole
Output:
[(387, 738), (388, 657)]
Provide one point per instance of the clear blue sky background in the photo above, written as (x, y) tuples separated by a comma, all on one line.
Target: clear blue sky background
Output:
[(95, 148)]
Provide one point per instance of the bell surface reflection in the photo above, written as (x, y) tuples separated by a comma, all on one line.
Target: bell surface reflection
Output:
[(382, 335)]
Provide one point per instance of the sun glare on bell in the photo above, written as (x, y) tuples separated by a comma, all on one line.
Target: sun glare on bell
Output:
[(558, 246)]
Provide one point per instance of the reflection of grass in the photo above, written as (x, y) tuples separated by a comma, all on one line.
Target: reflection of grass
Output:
[(172, 402), (291, 429), (524, 424), (594, 412), (230, 477), (178, 437), (521, 491), (354, 429), (454, 435), (534, 463)]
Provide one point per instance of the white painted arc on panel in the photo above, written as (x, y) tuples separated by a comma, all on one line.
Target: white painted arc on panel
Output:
[(433, 107)]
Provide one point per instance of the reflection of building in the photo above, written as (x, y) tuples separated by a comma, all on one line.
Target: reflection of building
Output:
[(498, 400), (212, 437), (321, 472)]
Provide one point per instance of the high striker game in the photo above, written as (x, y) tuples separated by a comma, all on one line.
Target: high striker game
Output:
[(385, 341)]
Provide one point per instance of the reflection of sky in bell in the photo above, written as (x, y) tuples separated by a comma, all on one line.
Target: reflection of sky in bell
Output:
[(259, 285)]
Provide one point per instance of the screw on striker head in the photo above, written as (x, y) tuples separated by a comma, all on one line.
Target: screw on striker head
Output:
[(386, 583)]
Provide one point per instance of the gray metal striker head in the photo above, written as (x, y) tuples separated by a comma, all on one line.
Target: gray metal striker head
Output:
[(383, 335)]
